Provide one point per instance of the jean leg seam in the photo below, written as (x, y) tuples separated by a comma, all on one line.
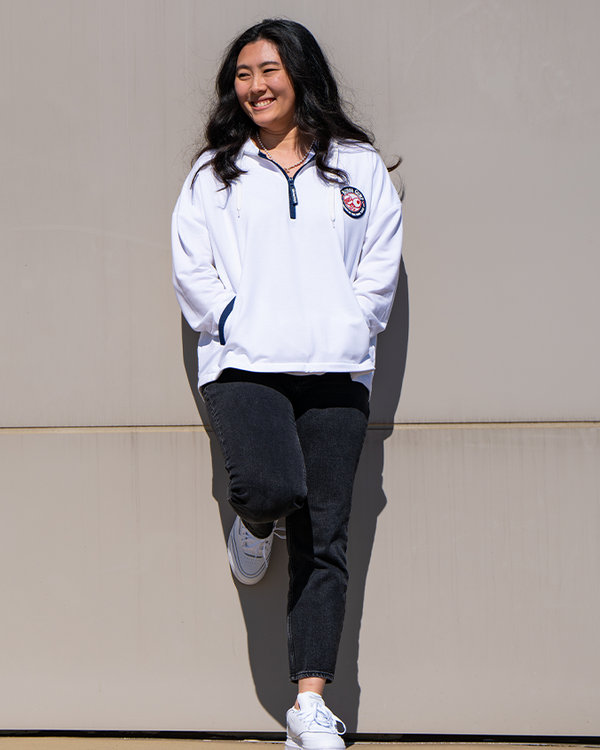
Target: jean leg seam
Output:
[(291, 648), (216, 425)]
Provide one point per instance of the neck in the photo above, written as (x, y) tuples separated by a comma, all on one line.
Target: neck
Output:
[(289, 142)]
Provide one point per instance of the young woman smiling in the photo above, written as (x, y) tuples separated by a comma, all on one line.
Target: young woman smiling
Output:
[(286, 251)]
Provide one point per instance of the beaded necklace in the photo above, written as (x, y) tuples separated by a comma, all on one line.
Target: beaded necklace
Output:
[(270, 157)]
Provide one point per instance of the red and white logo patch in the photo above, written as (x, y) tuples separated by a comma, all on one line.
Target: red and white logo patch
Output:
[(353, 201)]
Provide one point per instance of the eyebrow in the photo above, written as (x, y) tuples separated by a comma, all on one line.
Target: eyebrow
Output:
[(262, 64)]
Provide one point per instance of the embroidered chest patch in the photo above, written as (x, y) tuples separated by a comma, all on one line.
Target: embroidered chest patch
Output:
[(353, 201)]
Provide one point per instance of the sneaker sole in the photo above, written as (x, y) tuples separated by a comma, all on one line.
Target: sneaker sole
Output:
[(291, 744), (237, 573)]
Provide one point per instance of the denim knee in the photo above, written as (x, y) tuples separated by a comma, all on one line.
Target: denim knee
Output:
[(265, 499)]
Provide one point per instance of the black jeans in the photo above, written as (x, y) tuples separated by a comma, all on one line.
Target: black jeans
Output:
[(291, 445)]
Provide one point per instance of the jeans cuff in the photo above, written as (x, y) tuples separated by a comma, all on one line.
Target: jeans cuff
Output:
[(327, 676)]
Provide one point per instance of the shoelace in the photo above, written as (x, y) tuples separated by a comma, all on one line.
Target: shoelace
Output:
[(321, 715), (253, 546), (258, 547)]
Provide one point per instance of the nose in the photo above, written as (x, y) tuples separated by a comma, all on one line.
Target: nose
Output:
[(258, 84)]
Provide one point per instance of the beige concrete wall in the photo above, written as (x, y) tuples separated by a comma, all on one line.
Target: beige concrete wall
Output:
[(474, 603), (475, 610)]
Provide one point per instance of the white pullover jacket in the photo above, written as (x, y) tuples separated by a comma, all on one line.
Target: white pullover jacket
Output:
[(286, 274)]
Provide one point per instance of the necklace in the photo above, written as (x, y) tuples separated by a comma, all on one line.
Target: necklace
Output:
[(270, 157)]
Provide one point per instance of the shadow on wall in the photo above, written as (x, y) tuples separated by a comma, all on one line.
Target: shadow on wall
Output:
[(264, 605)]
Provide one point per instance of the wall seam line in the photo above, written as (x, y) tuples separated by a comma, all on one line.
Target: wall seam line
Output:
[(397, 426)]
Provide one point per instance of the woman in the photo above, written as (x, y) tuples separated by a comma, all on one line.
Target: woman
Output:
[(286, 250)]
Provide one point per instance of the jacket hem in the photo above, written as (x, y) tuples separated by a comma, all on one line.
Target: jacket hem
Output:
[(287, 368)]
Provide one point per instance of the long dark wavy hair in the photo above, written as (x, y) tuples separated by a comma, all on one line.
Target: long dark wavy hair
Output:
[(319, 110)]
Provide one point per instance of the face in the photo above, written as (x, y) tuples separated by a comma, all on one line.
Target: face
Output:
[(264, 89)]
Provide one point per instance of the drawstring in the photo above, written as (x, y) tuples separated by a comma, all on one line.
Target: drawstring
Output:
[(238, 196), (333, 186), (332, 203)]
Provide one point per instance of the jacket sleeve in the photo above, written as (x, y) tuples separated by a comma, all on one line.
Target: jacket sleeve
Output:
[(201, 292), (378, 268)]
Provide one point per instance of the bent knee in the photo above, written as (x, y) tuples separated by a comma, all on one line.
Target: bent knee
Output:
[(267, 499)]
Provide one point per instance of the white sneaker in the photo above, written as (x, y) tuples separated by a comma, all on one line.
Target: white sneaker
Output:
[(313, 726), (248, 556)]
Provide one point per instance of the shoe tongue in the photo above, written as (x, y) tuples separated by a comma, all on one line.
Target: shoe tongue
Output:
[(308, 699)]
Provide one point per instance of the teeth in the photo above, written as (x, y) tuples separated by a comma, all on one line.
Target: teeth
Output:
[(265, 103)]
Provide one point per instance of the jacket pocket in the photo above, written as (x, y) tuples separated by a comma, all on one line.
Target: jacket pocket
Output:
[(223, 319)]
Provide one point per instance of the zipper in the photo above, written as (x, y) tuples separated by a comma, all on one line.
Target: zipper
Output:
[(292, 194)]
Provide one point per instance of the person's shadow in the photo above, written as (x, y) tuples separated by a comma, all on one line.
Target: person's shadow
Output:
[(264, 605)]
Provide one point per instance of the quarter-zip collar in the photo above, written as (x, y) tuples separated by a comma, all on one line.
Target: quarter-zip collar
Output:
[(253, 150), (292, 194)]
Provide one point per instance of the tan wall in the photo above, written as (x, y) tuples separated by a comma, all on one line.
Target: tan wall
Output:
[(474, 551)]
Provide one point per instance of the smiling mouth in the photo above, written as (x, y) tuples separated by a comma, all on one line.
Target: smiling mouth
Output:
[(261, 104)]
